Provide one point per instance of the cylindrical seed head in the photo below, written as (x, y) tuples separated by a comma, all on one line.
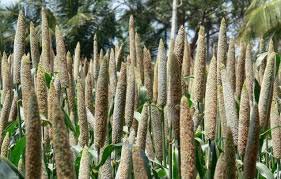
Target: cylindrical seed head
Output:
[(101, 105), (162, 74), (142, 129), (141, 170), (148, 82), (61, 58), (186, 64), (132, 40), (76, 62), (157, 133), (249, 71), (240, 71), (125, 165), (84, 169), (130, 95), (199, 68), (222, 47), (5, 146), (119, 106), (112, 77), (211, 101), (18, 47), (41, 90), (186, 143), (69, 61), (5, 73), (33, 159), (244, 115), (89, 100), (199, 75), (71, 93), (155, 82), (229, 153), (13, 111), (252, 144), (266, 92), (34, 48), (26, 83), (5, 112), (230, 67), (230, 106), (62, 150), (220, 171), (46, 50), (179, 45), (275, 122), (82, 118), (139, 57), (173, 91)]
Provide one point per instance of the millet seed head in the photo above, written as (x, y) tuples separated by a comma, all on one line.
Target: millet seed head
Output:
[(18, 47)]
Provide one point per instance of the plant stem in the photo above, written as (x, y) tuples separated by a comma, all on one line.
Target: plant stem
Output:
[(18, 111), (170, 153), (164, 138)]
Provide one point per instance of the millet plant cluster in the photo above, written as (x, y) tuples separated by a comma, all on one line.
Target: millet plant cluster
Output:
[(117, 116)]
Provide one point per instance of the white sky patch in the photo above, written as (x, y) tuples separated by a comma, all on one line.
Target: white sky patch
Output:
[(7, 3)]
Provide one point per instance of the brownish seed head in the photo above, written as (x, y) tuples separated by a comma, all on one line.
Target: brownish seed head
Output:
[(34, 46), (157, 134), (41, 90), (186, 64), (82, 118), (229, 153), (139, 57), (5, 73), (142, 129), (46, 45), (5, 146), (148, 72), (179, 45), (101, 105), (252, 147), (266, 92), (119, 106), (220, 171), (62, 150), (130, 95), (186, 144), (230, 105), (18, 47), (33, 152), (211, 101), (89, 100), (231, 62), (240, 71), (84, 169), (162, 74), (140, 167), (244, 115), (76, 61), (275, 122), (61, 53)]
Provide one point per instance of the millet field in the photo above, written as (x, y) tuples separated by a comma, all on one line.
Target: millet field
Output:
[(130, 112)]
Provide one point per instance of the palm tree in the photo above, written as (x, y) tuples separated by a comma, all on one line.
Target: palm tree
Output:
[(79, 20), (262, 19)]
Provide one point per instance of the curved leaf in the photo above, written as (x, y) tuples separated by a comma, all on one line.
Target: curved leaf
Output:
[(264, 171)]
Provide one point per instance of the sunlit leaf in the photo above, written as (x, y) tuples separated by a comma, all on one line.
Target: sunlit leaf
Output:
[(260, 58), (264, 171)]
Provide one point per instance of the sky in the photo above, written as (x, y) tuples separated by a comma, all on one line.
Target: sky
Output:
[(7, 2)]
